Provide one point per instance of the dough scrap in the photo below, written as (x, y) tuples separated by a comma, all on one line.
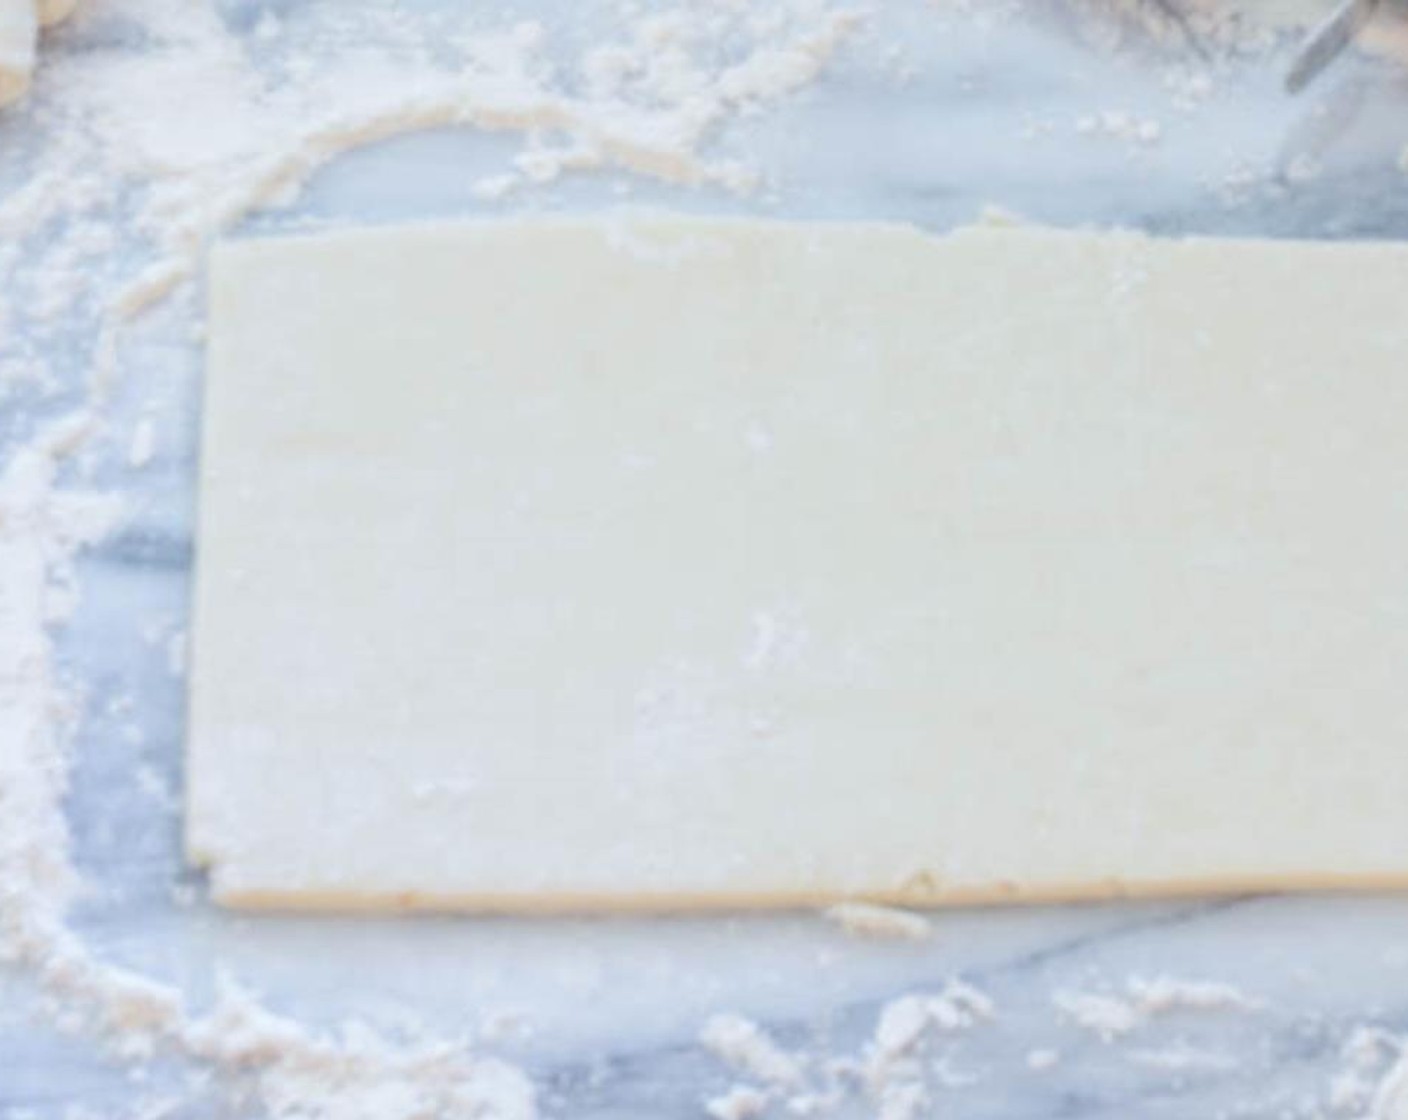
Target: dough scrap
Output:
[(685, 563)]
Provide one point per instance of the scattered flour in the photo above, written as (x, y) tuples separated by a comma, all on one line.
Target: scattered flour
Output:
[(1121, 125), (1372, 1083), (886, 1072), (141, 159), (129, 161), (41, 528), (1111, 1015), (907, 1100), (1103, 1015), (1352, 1087), (1160, 994), (1193, 46), (746, 1048), (1391, 1097), (741, 1102)]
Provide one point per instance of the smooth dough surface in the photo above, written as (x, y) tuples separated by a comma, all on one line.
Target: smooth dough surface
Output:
[(670, 562)]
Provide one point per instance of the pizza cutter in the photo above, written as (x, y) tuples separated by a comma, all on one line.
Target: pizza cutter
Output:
[(1325, 43)]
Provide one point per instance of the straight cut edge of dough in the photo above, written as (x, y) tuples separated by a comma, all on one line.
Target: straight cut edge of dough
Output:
[(1001, 894)]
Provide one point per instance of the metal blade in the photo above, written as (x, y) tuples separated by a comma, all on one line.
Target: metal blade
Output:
[(1323, 45)]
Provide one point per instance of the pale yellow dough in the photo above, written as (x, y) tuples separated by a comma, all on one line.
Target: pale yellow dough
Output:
[(686, 563)]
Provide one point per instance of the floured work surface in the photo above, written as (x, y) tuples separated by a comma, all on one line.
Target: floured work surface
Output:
[(664, 563)]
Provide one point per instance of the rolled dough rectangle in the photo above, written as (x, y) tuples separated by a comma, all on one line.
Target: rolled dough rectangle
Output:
[(688, 563)]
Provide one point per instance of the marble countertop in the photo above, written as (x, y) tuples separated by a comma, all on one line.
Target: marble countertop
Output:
[(605, 1013)]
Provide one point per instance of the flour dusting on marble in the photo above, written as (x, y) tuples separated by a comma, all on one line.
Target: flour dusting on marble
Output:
[(748, 1048), (1372, 1081), (41, 527), (1110, 1014), (144, 155), (891, 1072)]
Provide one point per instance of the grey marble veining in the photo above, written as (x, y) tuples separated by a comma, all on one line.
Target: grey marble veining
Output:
[(604, 1013)]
